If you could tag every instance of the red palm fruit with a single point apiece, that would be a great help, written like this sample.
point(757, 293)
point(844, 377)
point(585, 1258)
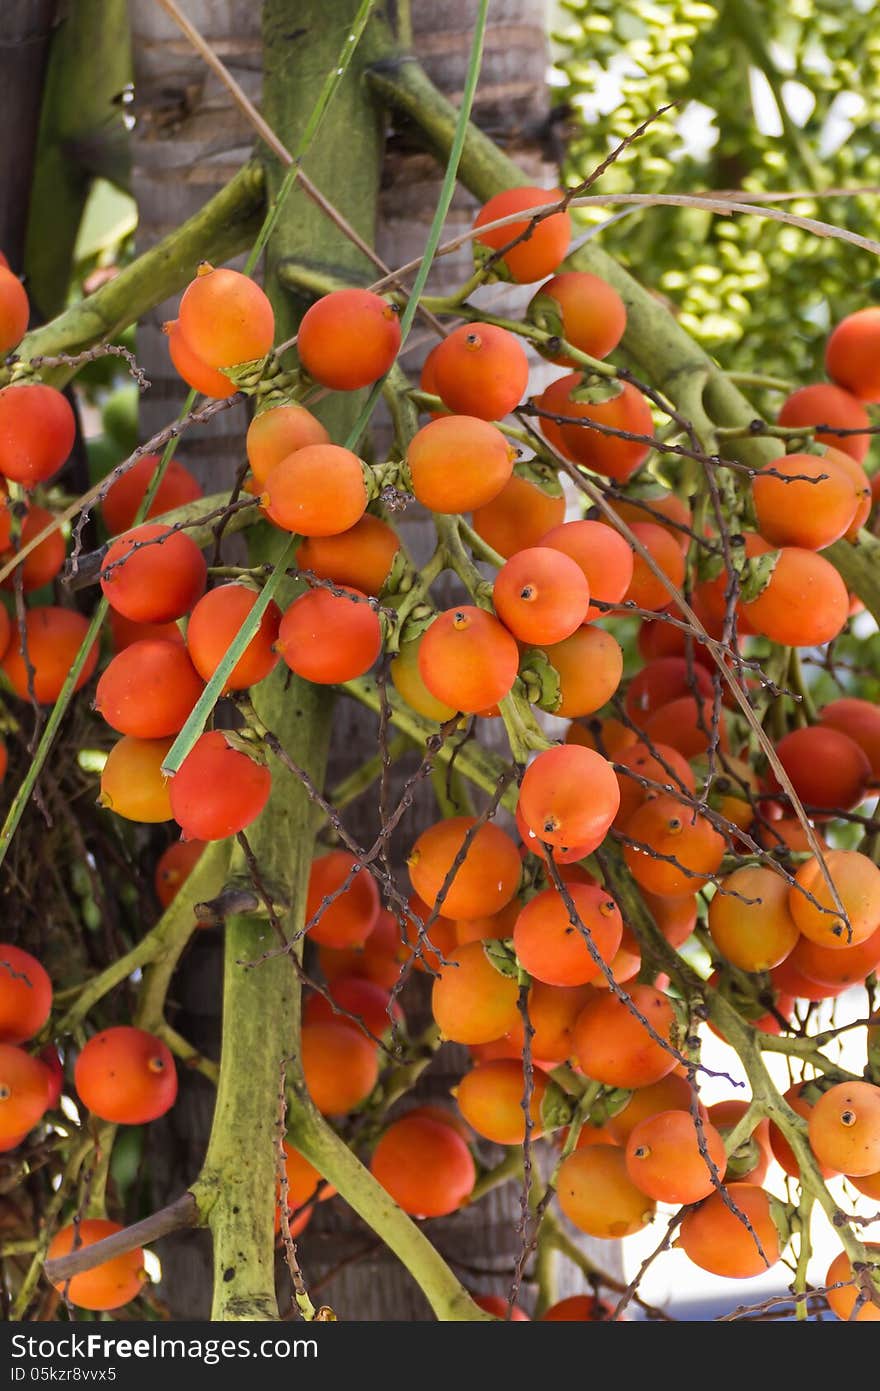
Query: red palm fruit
point(276, 433)
point(122, 500)
point(805, 603)
point(751, 1160)
point(55, 1073)
point(667, 827)
point(361, 557)
point(362, 998)
point(428, 380)
point(467, 659)
point(490, 1097)
point(860, 720)
point(604, 556)
point(376, 960)
point(598, 1196)
point(609, 737)
point(827, 768)
point(24, 1094)
point(54, 637)
point(472, 1000)
point(25, 995)
point(801, 1097)
point(225, 318)
point(659, 639)
point(349, 339)
point(646, 589)
point(584, 310)
point(664, 509)
point(842, 1300)
point(350, 917)
point(5, 631)
point(426, 947)
point(868, 1184)
point(340, 1065)
point(608, 454)
point(844, 1128)
point(562, 854)
point(486, 879)
point(148, 690)
point(174, 867)
point(317, 491)
point(556, 950)
point(552, 1010)
point(686, 724)
point(804, 513)
point(212, 626)
point(579, 1308)
point(190, 368)
point(670, 1093)
point(37, 430)
point(124, 632)
point(42, 564)
point(824, 404)
point(106, 1286)
point(787, 977)
point(458, 462)
point(717, 1240)
point(492, 927)
point(589, 665)
point(326, 637)
point(554, 402)
point(760, 936)
point(132, 782)
point(569, 796)
point(126, 1076)
point(663, 680)
point(852, 354)
point(857, 881)
point(14, 311)
point(497, 1305)
point(665, 1158)
point(613, 1046)
point(407, 680)
point(541, 595)
point(837, 966)
point(152, 574)
point(424, 1165)
point(305, 1187)
point(481, 370)
point(520, 515)
point(638, 761)
point(218, 791)
point(541, 251)
point(862, 485)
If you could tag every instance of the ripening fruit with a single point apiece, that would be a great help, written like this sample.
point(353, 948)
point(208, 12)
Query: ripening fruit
point(490, 1097)
point(458, 463)
point(42, 564)
point(14, 311)
point(5, 631)
point(375, 961)
point(132, 782)
point(608, 454)
point(852, 354)
point(662, 680)
point(613, 1046)
point(148, 690)
point(54, 637)
point(425, 1165)
point(23, 1092)
point(108, 1285)
point(552, 1010)
point(562, 854)
point(827, 768)
point(317, 491)
point(275, 434)
point(685, 724)
point(492, 927)
point(362, 998)
point(214, 623)
point(578, 1308)
point(718, 1241)
point(862, 485)
point(217, 790)
point(837, 966)
point(487, 878)
point(37, 430)
point(361, 557)
point(598, 1196)
point(152, 574)
point(122, 500)
point(671, 1093)
point(541, 595)
point(804, 604)
point(123, 632)
point(799, 512)
point(584, 310)
point(613, 736)
point(860, 720)
point(349, 339)
point(126, 1075)
point(666, 827)
point(340, 1065)
point(467, 659)
point(554, 949)
point(225, 318)
point(326, 637)
point(604, 556)
point(751, 1160)
point(174, 866)
point(408, 683)
point(844, 1128)
point(658, 763)
point(25, 995)
point(824, 404)
point(646, 589)
point(497, 1305)
point(427, 950)
point(857, 881)
point(758, 936)
point(518, 516)
point(190, 368)
point(541, 251)
point(589, 665)
point(481, 370)
point(353, 913)
point(801, 1097)
point(569, 796)
point(665, 1160)
point(842, 1301)
point(305, 1187)
point(472, 1001)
